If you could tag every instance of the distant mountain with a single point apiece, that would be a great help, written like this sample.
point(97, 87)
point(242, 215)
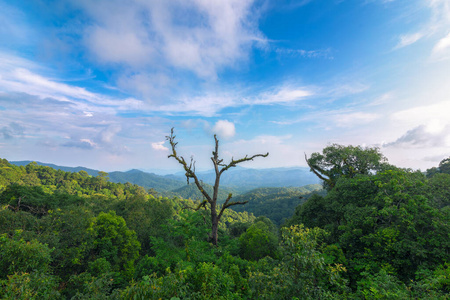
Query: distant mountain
point(91, 172)
point(278, 204)
point(147, 180)
point(244, 179)
point(236, 180)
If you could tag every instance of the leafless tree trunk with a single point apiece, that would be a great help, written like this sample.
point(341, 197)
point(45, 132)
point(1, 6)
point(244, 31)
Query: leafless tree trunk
point(219, 168)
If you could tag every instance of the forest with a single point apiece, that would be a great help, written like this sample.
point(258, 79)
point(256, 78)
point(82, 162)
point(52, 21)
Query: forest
point(375, 231)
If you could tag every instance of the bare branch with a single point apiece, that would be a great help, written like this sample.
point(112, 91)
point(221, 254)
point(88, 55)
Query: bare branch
point(190, 170)
point(234, 163)
point(218, 163)
point(313, 169)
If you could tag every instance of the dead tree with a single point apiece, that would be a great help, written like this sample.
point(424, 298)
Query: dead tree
point(219, 168)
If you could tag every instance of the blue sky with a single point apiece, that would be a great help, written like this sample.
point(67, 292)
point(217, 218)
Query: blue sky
point(100, 83)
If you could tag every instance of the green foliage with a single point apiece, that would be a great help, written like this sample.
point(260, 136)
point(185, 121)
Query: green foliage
point(277, 204)
point(381, 286)
point(145, 215)
point(337, 161)
point(77, 236)
point(258, 241)
point(190, 191)
point(30, 286)
point(147, 180)
point(444, 166)
point(383, 221)
point(18, 255)
point(114, 242)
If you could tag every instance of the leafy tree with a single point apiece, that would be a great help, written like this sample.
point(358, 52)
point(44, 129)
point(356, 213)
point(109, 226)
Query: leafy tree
point(444, 166)
point(115, 242)
point(383, 221)
point(337, 161)
point(258, 241)
point(30, 286)
point(219, 168)
point(18, 255)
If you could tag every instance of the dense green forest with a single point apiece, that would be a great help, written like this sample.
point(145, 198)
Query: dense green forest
point(277, 204)
point(377, 233)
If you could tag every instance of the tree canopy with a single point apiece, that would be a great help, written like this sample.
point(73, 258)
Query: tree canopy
point(337, 161)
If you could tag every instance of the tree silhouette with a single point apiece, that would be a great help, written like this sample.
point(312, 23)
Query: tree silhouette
point(219, 168)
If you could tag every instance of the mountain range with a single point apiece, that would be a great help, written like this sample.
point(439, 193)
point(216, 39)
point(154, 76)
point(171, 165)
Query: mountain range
point(237, 180)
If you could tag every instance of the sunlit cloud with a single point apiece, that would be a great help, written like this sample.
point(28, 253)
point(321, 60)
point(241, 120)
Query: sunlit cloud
point(224, 129)
point(199, 36)
point(159, 146)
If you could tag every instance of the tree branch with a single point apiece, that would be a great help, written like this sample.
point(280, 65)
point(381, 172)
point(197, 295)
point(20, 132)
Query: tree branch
point(313, 169)
point(234, 163)
point(228, 204)
point(190, 170)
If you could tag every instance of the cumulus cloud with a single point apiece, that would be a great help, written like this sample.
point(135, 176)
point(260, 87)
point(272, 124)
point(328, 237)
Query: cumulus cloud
point(159, 146)
point(199, 36)
point(421, 137)
point(224, 129)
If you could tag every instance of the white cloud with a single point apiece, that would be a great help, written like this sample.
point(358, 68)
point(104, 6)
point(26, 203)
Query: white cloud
point(224, 129)
point(200, 36)
point(436, 27)
point(20, 79)
point(118, 46)
point(423, 137)
point(429, 126)
point(442, 48)
point(305, 53)
point(159, 146)
point(409, 39)
point(282, 95)
point(426, 114)
point(107, 134)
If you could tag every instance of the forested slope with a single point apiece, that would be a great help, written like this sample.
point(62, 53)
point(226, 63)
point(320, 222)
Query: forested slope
point(74, 236)
point(277, 204)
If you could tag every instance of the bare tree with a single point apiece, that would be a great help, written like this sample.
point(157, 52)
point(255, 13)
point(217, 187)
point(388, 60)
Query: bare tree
point(219, 168)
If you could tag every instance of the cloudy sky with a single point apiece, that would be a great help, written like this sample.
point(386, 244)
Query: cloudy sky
point(100, 83)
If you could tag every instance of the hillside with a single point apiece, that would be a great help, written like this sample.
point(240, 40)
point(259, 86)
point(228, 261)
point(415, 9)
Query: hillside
point(159, 183)
point(277, 204)
point(91, 172)
point(244, 179)
point(236, 180)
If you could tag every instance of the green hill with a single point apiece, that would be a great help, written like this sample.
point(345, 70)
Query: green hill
point(277, 204)
point(190, 191)
point(147, 180)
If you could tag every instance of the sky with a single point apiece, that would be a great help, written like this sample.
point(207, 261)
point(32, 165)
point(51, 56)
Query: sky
point(101, 83)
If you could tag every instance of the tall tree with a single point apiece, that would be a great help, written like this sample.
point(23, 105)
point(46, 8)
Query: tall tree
point(219, 168)
point(347, 161)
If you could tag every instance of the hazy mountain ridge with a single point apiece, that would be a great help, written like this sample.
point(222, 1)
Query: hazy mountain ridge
point(236, 180)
